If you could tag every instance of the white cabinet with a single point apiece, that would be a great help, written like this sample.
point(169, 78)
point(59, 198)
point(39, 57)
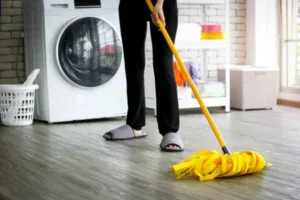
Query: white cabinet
point(252, 87)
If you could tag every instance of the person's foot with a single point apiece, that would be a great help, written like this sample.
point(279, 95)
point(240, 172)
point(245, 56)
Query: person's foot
point(171, 146)
point(172, 142)
point(137, 132)
point(124, 132)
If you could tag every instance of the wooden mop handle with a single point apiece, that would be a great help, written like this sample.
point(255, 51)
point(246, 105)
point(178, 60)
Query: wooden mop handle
point(191, 83)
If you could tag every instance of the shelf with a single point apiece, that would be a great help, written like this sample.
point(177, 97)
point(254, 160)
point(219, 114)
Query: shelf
point(192, 102)
point(188, 37)
point(195, 45)
point(200, 1)
point(201, 44)
point(248, 68)
point(208, 101)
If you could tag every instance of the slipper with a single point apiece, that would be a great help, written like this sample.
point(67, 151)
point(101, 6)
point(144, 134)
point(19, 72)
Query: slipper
point(124, 132)
point(173, 139)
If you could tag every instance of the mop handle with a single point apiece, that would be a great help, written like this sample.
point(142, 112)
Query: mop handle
point(191, 83)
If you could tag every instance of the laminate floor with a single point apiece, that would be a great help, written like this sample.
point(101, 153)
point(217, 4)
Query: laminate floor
point(71, 161)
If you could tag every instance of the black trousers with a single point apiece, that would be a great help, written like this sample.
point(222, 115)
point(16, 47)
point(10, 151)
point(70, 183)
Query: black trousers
point(133, 15)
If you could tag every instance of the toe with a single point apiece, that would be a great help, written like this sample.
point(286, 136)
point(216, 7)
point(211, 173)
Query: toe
point(107, 136)
point(173, 147)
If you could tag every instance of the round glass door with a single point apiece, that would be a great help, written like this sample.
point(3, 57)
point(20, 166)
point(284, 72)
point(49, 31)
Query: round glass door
point(89, 52)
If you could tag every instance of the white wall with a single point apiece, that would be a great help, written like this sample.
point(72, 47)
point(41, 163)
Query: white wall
point(215, 14)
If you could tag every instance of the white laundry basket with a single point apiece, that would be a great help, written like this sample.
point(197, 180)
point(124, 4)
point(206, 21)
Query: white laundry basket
point(17, 104)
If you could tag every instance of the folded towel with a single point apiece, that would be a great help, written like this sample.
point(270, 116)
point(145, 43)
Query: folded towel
point(211, 89)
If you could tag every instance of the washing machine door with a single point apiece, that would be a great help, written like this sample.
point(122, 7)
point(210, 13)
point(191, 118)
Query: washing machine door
point(89, 52)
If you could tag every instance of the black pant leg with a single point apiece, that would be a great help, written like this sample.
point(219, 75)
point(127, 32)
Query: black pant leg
point(133, 33)
point(166, 89)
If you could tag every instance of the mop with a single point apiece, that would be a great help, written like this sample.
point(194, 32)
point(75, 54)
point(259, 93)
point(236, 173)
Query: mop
point(206, 164)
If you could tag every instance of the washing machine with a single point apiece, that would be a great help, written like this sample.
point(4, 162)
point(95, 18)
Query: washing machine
point(76, 44)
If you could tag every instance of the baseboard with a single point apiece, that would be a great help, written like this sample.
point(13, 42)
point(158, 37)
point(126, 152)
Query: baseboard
point(290, 103)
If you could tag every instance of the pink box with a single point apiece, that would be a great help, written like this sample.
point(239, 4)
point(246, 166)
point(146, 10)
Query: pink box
point(210, 28)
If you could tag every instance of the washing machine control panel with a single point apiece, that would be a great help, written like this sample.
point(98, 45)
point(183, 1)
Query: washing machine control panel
point(79, 4)
point(87, 3)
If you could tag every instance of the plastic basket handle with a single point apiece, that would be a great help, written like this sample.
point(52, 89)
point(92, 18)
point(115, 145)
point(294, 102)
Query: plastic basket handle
point(31, 78)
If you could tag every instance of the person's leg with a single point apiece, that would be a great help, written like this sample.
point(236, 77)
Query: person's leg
point(133, 37)
point(133, 34)
point(166, 89)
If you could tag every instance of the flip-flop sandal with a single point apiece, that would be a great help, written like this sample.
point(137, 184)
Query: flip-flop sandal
point(124, 132)
point(172, 139)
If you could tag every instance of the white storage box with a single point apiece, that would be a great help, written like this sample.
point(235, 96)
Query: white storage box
point(251, 88)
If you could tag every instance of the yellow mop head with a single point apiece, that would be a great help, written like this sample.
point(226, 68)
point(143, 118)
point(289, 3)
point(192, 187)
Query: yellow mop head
point(208, 165)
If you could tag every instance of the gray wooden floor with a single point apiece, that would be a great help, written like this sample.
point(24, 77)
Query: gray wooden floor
point(72, 161)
